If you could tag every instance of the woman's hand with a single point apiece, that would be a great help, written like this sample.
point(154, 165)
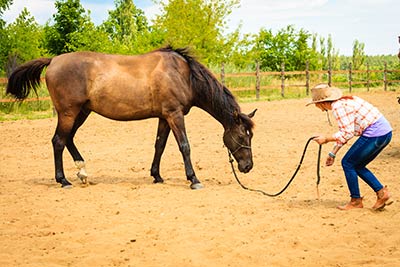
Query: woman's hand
point(321, 139)
point(329, 161)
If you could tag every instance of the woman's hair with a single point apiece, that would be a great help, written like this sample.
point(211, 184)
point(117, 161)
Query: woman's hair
point(347, 97)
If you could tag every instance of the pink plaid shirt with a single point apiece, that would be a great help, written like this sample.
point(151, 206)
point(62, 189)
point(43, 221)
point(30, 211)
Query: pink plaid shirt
point(353, 117)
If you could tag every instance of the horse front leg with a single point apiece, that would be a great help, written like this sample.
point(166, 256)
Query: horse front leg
point(177, 125)
point(161, 140)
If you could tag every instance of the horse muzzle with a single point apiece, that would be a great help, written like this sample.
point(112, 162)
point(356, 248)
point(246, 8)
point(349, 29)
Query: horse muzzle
point(245, 166)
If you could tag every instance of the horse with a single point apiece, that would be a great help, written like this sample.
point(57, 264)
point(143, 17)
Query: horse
point(164, 83)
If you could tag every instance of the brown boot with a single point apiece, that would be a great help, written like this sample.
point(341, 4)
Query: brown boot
point(383, 199)
point(355, 203)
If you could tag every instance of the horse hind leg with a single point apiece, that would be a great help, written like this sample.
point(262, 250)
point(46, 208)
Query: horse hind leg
point(161, 140)
point(69, 121)
point(78, 159)
point(59, 141)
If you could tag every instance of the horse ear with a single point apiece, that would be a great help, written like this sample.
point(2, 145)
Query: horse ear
point(251, 115)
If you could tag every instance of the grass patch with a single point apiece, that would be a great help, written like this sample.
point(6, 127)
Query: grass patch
point(242, 87)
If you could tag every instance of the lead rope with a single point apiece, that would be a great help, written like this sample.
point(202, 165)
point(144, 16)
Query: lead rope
point(291, 179)
point(329, 119)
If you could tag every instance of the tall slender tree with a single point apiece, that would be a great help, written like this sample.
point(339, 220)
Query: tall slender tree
point(358, 57)
point(70, 18)
point(127, 27)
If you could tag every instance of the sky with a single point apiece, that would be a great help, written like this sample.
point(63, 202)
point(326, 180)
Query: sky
point(376, 23)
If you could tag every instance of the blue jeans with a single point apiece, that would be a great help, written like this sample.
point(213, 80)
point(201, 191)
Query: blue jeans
point(354, 163)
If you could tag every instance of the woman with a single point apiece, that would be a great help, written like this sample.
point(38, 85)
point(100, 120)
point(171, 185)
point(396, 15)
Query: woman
point(355, 117)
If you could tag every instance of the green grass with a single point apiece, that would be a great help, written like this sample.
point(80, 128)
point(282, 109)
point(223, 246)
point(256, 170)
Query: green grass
point(31, 110)
point(33, 115)
point(44, 109)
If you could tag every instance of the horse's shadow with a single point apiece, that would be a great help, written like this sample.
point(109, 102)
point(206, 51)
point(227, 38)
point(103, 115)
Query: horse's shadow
point(113, 180)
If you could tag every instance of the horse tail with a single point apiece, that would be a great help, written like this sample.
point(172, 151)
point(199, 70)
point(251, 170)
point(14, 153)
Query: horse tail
point(26, 77)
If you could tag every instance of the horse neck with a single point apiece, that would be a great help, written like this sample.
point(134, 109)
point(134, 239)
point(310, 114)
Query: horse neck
point(221, 113)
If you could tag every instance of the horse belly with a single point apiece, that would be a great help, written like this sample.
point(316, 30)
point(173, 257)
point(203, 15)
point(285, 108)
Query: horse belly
point(128, 104)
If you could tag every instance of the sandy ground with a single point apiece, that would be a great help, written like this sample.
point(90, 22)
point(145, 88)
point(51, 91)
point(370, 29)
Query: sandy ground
point(123, 219)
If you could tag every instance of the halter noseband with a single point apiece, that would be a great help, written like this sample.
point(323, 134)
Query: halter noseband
point(236, 142)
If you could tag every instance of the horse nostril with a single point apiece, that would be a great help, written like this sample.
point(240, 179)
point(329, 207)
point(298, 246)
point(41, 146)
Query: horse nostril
point(248, 167)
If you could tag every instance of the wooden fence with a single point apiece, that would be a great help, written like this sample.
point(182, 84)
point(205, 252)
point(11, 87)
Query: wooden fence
point(284, 77)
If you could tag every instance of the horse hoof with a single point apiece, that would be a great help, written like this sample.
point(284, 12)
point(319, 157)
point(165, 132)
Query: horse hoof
point(65, 184)
point(196, 186)
point(158, 181)
point(83, 177)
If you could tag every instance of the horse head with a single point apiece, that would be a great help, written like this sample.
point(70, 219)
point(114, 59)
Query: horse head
point(237, 139)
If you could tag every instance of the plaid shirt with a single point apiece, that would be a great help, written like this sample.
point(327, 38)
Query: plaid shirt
point(353, 116)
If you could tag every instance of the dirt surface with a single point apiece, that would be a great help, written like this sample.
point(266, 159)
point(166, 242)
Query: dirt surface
point(123, 219)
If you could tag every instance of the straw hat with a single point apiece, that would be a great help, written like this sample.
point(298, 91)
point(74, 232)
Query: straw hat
point(322, 92)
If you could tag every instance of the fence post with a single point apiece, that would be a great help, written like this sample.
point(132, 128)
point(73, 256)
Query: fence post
point(258, 80)
point(368, 85)
point(283, 80)
point(330, 72)
point(307, 78)
point(223, 73)
point(385, 82)
point(350, 76)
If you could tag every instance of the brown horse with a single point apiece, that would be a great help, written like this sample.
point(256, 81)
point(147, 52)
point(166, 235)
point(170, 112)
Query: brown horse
point(164, 84)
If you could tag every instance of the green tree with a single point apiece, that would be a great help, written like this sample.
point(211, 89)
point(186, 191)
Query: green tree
point(323, 53)
point(358, 55)
point(70, 19)
point(89, 38)
point(332, 54)
point(25, 38)
point(288, 46)
point(128, 28)
point(315, 61)
point(327, 55)
point(199, 24)
point(4, 5)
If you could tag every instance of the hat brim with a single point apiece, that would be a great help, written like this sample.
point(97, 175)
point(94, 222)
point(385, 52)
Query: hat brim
point(336, 94)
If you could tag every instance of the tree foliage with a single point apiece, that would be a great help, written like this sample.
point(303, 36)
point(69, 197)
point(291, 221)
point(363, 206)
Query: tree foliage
point(199, 24)
point(127, 27)
point(25, 38)
point(4, 5)
point(288, 47)
point(358, 54)
point(71, 18)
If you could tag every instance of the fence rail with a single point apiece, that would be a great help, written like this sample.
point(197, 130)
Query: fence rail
point(283, 77)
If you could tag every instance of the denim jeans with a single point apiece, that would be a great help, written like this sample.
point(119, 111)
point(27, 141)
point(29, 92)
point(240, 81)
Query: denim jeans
point(354, 163)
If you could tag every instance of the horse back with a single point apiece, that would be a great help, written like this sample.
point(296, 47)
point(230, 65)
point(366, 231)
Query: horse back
point(120, 87)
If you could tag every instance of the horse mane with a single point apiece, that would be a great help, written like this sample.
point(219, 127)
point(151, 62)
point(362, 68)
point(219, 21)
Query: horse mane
point(210, 92)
